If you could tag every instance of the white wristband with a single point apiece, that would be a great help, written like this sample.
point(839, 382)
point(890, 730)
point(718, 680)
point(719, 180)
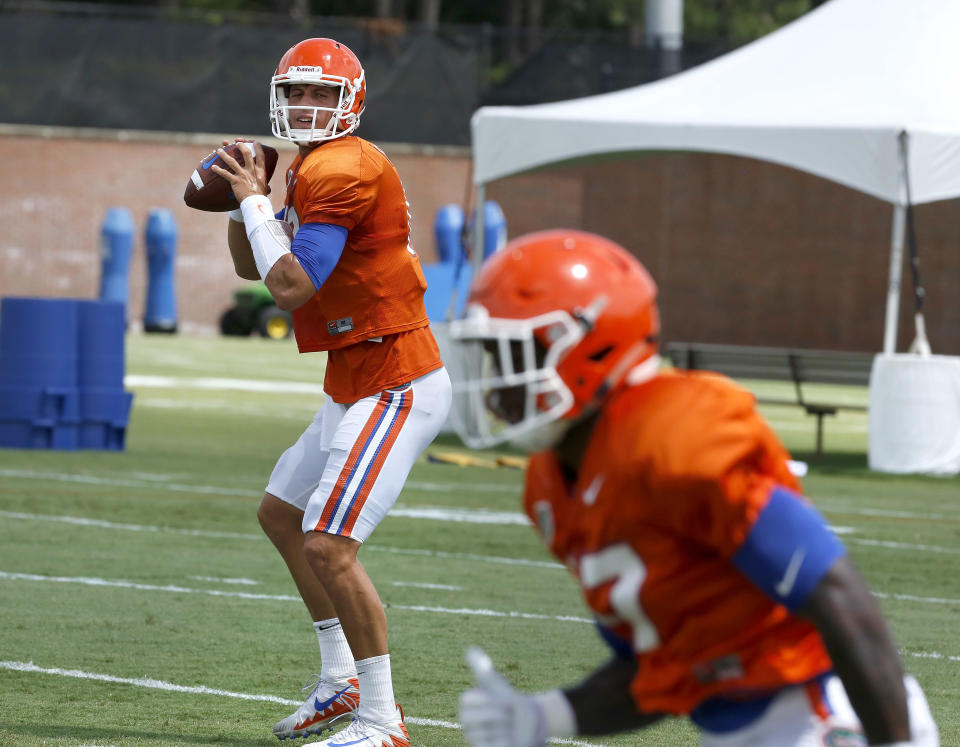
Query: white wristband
point(269, 238)
point(236, 215)
point(558, 714)
point(256, 210)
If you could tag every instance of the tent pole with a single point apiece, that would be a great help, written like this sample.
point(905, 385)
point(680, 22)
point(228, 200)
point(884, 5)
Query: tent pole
point(895, 275)
point(897, 234)
point(476, 251)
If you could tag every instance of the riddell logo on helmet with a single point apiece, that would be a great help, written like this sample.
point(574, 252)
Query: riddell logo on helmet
point(306, 69)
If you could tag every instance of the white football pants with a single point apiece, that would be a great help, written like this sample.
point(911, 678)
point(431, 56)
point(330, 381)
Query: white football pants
point(349, 466)
point(791, 721)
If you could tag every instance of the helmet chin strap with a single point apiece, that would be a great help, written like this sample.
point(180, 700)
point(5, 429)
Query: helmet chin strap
point(643, 371)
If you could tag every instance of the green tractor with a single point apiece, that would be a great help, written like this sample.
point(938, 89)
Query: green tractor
point(255, 309)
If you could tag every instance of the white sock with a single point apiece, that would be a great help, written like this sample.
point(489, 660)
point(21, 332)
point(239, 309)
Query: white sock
point(336, 658)
point(376, 689)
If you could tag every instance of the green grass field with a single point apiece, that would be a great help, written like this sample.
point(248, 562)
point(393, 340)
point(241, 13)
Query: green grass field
point(140, 604)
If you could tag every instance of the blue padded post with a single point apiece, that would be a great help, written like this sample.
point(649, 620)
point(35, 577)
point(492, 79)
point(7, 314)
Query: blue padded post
point(116, 246)
point(447, 230)
point(161, 240)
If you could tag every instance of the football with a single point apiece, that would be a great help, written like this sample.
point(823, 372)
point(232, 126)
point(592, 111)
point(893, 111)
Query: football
point(207, 190)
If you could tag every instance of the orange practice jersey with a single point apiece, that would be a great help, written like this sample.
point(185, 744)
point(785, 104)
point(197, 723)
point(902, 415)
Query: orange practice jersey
point(376, 289)
point(676, 472)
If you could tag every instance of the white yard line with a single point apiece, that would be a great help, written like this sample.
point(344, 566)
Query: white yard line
point(29, 666)
point(162, 482)
point(102, 524)
point(432, 587)
point(288, 413)
point(123, 584)
point(154, 684)
point(432, 513)
point(930, 655)
point(840, 508)
point(460, 515)
point(221, 384)
point(453, 488)
point(467, 556)
point(902, 545)
point(172, 588)
point(912, 598)
point(165, 482)
point(125, 482)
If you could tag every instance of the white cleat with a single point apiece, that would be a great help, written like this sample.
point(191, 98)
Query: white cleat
point(327, 703)
point(364, 733)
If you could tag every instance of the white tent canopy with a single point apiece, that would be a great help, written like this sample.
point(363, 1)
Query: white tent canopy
point(854, 92)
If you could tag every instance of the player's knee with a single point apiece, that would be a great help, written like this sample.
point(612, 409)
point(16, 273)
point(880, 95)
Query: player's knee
point(277, 519)
point(327, 554)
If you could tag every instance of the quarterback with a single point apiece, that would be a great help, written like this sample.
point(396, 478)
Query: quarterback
point(338, 255)
point(720, 590)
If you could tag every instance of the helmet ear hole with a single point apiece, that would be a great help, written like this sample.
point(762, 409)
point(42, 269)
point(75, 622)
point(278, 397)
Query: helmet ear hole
point(600, 354)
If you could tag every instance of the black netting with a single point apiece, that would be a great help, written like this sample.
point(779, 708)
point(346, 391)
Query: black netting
point(132, 70)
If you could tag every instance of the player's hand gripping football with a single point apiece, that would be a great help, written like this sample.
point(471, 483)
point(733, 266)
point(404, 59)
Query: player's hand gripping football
point(250, 178)
point(494, 714)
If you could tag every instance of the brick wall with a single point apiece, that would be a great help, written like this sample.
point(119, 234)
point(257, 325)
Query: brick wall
point(744, 251)
point(747, 252)
point(58, 188)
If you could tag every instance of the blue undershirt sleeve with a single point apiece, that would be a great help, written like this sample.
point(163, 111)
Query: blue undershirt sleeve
point(788, 550)
point(318, 246)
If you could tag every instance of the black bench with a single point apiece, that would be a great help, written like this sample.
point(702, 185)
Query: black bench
point(780, 364)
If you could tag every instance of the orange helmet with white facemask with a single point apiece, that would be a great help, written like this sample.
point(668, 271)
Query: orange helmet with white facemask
point(319, 62)
point(555, 321)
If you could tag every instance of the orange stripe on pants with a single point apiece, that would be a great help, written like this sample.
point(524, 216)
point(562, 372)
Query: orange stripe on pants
point(817, 701)
point(355, 454)
point(382, 453)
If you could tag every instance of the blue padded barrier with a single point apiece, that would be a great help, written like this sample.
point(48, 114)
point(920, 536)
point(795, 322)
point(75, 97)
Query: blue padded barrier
point(441, 278)
point(39, 435)
point(100, 329)
point(61, 374)
point(51, 404)
point(38, 342)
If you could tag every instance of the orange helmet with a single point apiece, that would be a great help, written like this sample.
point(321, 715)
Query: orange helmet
point(555, 320)
point(319, 62)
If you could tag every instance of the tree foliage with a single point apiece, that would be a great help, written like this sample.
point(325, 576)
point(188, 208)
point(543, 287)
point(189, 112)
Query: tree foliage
point(730, 21)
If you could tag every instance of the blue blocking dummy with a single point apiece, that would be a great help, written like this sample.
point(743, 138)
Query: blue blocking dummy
point(494, 228)
point(447, 230)
point(116, 246)
point(161, 240)
point(449, 278)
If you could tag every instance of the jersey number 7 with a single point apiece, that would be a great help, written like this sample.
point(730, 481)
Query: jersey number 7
point(620, 564)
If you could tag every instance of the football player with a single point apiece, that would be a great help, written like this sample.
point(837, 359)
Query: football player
point(355, 287)
point(720, 589)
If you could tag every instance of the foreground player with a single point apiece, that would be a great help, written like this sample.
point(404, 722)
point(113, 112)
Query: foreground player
point(356, 290)
point(722, 592)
